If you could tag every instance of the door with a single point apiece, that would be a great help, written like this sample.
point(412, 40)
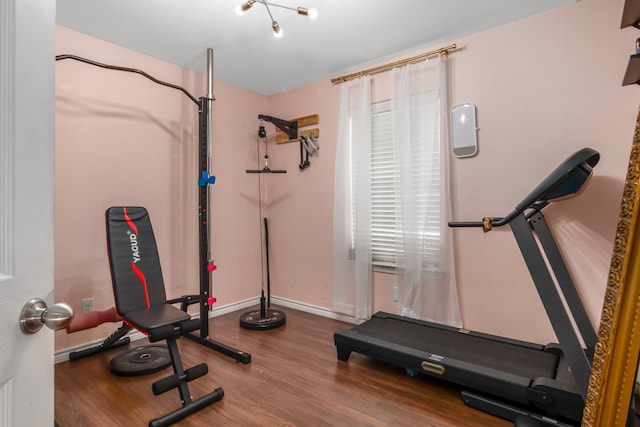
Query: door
point(27, 36)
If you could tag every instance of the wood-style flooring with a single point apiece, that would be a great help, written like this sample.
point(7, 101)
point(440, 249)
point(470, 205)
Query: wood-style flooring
point(294, 379)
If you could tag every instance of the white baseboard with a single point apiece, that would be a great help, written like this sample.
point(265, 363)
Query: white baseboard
point(313, 309)
point(63, 355)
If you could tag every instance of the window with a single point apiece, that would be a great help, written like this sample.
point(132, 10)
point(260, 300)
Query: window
point(387, 219)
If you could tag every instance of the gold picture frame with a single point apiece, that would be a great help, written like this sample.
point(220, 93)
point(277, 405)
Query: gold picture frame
point(613, 374)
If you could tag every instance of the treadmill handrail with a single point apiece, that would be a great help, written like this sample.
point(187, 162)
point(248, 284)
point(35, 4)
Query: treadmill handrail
point(496, 222)
point(581, 161)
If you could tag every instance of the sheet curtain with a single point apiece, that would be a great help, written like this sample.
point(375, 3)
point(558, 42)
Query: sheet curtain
point(352, 271)
point(420, 132)
point(420, 126)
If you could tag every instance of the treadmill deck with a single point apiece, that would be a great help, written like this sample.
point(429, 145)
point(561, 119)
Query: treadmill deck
point(513, 357)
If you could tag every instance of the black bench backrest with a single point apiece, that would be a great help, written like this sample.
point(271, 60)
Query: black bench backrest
point(136, 275)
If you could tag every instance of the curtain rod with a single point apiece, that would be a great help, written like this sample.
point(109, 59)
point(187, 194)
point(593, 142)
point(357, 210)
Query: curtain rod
point(385, 67)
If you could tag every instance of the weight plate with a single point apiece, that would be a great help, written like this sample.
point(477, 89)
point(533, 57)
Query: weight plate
point(271, 319)
point(141, 361)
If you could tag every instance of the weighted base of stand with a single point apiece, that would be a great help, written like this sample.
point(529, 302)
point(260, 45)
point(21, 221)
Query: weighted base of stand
point(263, 319)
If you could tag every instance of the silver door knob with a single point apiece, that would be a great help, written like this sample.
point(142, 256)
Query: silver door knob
point(35, 313)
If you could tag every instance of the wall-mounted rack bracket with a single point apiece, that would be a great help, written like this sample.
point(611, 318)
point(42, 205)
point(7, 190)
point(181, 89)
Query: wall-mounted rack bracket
point(303, 122)
point(286, 126)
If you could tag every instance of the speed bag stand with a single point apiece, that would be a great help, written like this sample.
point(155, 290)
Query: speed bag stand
point(265, 318)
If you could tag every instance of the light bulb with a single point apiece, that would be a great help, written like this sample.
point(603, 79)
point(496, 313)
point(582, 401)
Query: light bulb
point(242, 8)
point(277, 31)
point(311, 13)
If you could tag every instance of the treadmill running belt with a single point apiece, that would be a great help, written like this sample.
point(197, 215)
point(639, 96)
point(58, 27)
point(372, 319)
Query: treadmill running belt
point(500, 355)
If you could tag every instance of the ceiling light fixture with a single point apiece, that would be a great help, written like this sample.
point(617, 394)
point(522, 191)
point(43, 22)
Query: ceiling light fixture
point(275, 26)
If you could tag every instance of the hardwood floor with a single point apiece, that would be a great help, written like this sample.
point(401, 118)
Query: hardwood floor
point(294, 379)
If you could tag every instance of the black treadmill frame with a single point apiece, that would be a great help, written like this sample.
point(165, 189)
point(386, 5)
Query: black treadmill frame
point(553, 283)
point(437, 364)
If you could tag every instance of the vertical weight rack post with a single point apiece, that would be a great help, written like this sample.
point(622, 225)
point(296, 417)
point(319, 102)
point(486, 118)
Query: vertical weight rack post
point(206, 264)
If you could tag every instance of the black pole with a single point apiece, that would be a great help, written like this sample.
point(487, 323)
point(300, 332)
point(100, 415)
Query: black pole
point(264, 318)
point(203, 114)
point(205, 266)
point(266, 253)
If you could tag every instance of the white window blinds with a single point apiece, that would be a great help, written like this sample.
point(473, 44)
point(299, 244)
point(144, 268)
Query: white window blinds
point(386, 215)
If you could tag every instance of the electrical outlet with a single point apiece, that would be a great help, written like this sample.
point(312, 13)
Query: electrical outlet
point(87, 305)
point(396, 293)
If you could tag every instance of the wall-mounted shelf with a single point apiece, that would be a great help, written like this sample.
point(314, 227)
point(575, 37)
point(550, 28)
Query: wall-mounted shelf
point(631, 14)
point(631, 18)
point(632, 75)
point(305, 121)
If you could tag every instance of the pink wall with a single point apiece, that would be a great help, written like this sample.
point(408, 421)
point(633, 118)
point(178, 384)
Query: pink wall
point(121, 139)
point(300, 205)
point(556, 87)
point(544, 87)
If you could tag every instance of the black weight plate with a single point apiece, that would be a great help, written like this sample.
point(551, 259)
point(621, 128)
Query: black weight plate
point(271, 319)
point(140, 361)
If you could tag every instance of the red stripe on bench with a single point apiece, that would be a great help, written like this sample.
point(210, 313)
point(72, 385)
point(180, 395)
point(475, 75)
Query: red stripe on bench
point(129, 221)
point(143, 279)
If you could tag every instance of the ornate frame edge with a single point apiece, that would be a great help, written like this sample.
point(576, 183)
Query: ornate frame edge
point(612, 379)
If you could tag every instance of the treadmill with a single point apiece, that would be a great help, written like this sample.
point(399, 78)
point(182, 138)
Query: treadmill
point(528, 383)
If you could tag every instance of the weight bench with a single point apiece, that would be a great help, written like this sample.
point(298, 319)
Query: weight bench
point(141, 300)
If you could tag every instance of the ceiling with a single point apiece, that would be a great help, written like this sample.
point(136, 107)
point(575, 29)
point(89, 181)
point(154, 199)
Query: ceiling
point(347, 35)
